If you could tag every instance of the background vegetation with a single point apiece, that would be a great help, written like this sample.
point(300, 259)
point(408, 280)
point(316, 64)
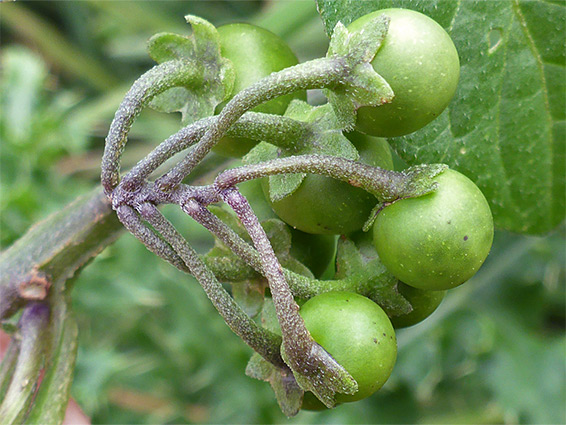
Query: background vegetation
point(152, 348)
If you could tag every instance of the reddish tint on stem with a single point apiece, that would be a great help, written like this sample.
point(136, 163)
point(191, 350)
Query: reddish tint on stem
point(74, 414)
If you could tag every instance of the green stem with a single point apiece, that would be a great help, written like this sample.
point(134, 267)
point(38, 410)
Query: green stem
point(55, 249)
point(280, 131)
point(384, 184)
point(8, 365)
point(313, 367)
point(301, 286)
point(51, 400)
point(264, 342)
point(155, 81)
point(318, 73)
point(20, 392)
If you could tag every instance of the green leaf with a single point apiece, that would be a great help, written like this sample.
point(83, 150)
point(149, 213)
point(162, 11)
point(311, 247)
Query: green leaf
point(215, 80)
point(506, 127)
point(511, 374)
point(359, 261)
point(249, 295)
point(288, 393)
point(325, 138)
point(282, 185)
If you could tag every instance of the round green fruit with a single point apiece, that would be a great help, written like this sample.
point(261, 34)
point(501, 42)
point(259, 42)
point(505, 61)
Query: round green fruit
point(323, 205)
point(424, 303)
point(310, 402)
point(437, 241)
point(419, 61)
point(358, 334)
point(314, 251)
point(255, 53)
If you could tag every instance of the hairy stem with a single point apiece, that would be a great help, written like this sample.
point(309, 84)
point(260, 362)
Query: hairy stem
point(259, 339)
point(314, 369)
point(319, 73)
point(301, 286)
point(8, 364)
point(135, 225)
point(220, 229)
point(292, 325)
point(19, 394)
point(384, 184)
point(55, 249)
point(51, 400)
point(153, 82)
point(280, 131)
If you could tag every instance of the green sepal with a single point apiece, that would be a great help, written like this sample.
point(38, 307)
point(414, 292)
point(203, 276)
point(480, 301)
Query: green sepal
point(419, 180)
point(324, 376)
point(279, 235)
point(269, 317)
point(363, 86)
point(362, 45)
point(344, 107)
point(288, 393)
point(282, 185)
point(261, 152)
point(227, 266)
point(325, 138)
point(212, 79)
point(348, 259)
point(359, 261)
point(249, 294)
point(372, 217)
point(230, 268)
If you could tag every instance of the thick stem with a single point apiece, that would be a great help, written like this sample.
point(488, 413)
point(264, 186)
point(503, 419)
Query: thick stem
point(55, 249)
point(51, 400)
point(19, 395)
point(221, 230)
point(131, 220)
point(314, 369)
point(259, 339)
point(384, 184)
point(301, 286)
point(319, 73)
point(280, 131)
point(293, 328)
point(153, 82)
point(8, 364)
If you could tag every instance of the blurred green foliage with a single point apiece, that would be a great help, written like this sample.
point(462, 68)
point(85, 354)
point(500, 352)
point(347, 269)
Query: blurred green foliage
point(152, 348)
